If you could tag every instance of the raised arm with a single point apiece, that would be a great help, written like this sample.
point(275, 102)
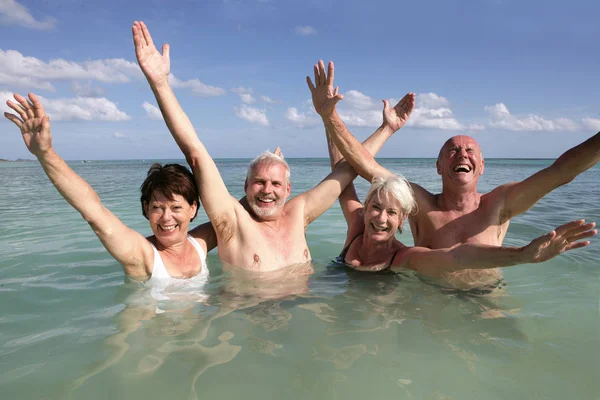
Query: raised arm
point(219, 205)
point(128, 247)
point(392, 122)
point(520, 197)
point(361, 157)
point(478, 256)
point(318, 199)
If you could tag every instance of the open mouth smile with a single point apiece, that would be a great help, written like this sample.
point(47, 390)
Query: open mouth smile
point(462, 168)
point(168, 228)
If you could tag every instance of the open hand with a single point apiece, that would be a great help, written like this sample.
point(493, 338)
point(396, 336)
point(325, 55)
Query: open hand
point(33, 123)
point(324, 96)
point(155, 66)
point(396, 117)
point(564, 238)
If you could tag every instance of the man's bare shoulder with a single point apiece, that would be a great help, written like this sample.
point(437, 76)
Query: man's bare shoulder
point(498, 194)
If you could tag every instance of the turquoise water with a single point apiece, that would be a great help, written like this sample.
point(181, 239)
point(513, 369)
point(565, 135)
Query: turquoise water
point(71, 327)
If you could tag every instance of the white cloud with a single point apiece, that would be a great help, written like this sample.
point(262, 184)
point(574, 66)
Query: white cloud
point(152, 111)
point(19, 70)
point(83, 108)
point(77, 108)
point(431, 111)
point(13, 13)
point(269, 100)
point(305, 30)
point(301, 119)
point(245, 94)
point(592, 123)
point(119, 135)
point(372, 118)
point(357, 100)
point(431, 100)
point(247, 98)
point(252, 115)
point(196, 86)
point(501, 118)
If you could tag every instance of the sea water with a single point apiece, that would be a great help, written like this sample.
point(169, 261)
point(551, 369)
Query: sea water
point(72, 327)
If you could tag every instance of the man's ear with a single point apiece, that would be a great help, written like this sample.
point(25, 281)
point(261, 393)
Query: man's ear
point(482, 167)
point(246, 184)
point(438, 166)
point(289, 189)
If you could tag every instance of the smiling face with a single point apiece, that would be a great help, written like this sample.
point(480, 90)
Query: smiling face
point(383, 216)
point(460, 161)
point(169, 219)
point(267, 189)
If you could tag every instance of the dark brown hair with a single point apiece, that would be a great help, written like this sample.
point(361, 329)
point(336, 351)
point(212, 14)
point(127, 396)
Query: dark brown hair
point(169, 180)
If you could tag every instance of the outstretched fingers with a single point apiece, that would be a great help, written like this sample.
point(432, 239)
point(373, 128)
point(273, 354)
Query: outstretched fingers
point(25, 104)
point(16, 120)
point(330, 73)
point(138, 36)
point(146, 34)
point(310, 84)
point(18, 109)
point(322, 76)
point(38, 108)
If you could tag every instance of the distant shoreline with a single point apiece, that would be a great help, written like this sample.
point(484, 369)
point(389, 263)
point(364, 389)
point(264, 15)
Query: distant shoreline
point(19, 160)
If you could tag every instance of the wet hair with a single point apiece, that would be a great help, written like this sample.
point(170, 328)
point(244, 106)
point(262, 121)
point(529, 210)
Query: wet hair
point(398, 188)
point(268, 158)
point(169, 179)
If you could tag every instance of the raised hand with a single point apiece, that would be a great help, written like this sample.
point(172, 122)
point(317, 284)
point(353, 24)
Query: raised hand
point(396, 117)
point(33, 123)
point(278, 152)
point(564, 238)
point(154, 65)
point(324, 96)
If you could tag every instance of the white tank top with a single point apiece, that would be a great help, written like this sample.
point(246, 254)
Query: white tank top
point(165, 287)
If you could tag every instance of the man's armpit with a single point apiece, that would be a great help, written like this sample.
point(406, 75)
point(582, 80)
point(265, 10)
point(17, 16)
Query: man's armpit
point(224, 228)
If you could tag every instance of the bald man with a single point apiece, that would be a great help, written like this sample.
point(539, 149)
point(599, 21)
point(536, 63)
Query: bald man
point(460, 214)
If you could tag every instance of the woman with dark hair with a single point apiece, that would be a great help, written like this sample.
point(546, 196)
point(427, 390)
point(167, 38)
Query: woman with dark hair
point(169, 201)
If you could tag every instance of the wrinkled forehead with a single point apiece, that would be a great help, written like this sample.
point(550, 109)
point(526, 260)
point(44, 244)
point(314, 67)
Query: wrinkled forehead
point(460, 141)
point(269, 169)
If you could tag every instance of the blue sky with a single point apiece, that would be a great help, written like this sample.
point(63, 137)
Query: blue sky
point(517, 75)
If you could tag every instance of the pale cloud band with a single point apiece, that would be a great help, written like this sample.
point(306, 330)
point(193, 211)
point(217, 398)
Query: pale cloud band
point(301, 120)
point(78, 108)
point(252, 115)
point(501, 118)
point(13, 13)
point(18, 70)
point(152, 111)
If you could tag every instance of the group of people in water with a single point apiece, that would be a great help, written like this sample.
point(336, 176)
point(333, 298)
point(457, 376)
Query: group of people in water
point(458, 233)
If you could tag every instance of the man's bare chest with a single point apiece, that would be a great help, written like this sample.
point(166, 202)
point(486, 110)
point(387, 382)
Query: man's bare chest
point(265, 248)
point(442, 229)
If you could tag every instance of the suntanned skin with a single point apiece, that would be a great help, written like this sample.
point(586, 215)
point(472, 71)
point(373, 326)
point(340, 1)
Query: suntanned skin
point(249, 239)
point(372, 245)
point(128, 247)
point(460, 214)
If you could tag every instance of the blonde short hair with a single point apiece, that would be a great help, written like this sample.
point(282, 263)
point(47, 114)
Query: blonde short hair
point(398, 188)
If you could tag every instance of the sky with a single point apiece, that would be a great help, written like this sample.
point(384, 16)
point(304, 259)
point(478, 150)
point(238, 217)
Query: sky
point(518, 76)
